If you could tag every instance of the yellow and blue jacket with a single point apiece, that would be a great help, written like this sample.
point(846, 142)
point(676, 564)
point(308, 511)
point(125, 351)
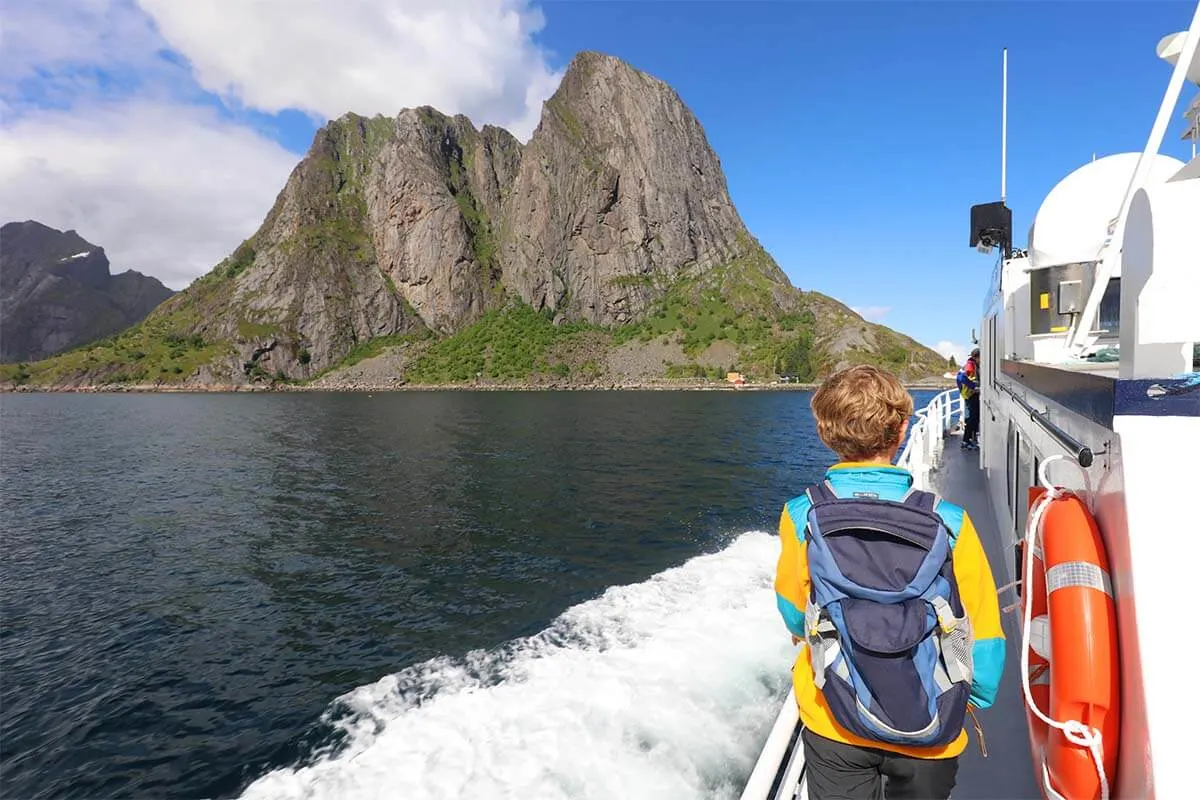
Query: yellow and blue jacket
point(976, 588)
point(967, 386)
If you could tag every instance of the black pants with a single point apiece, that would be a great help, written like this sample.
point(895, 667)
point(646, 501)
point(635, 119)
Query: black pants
point(971, 430)
point(837, 771)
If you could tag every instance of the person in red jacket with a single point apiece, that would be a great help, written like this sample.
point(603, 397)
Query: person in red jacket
point(968, 387)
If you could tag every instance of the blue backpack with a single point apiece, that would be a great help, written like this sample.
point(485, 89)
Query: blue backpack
point(889, 640)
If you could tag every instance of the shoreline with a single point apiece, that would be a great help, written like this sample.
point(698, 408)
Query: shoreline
point(361, 388)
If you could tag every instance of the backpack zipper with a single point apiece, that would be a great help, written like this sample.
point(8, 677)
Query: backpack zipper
point(928, 729)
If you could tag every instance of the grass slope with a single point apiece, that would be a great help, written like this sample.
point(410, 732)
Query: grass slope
point(159, 351)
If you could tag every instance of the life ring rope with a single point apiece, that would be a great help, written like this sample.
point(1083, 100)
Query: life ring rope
point(1014, 586)
point(1075, 731)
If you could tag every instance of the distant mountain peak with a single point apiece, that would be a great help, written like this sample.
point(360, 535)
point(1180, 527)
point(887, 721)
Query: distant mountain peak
point(57, 292)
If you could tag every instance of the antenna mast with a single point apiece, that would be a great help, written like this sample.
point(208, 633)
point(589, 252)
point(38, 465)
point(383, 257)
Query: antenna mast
point(1004, 132)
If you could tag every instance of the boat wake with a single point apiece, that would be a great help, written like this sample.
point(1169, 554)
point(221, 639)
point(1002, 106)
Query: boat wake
point(665, 688)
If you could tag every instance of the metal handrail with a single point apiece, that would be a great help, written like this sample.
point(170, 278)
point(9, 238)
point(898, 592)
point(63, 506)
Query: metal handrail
point(923, 450)
point(1082, 453)
point(769, 777)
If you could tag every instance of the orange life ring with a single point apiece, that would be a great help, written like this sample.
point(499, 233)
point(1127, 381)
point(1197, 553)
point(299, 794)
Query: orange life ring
point(1076, 675)
point(1039, 649)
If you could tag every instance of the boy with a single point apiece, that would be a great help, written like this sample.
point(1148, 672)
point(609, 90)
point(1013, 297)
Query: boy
point(862, 414)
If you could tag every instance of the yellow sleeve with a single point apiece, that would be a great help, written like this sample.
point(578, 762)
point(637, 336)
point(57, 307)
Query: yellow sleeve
point(791, 576)
point(977, 589)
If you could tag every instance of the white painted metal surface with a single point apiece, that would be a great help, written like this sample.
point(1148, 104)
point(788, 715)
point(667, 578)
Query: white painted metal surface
point(774, 751)
point(923, 451)
point(1072, 225)
point(1160, 288)
point(1186, 55)
point(1159, 458)
point(780, 753)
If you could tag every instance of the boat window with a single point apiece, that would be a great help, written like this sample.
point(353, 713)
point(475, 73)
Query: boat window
point(1010, 467)
point(988, 348)
point(1110, 307)
point(992, 350)
point(985, 348)
point(1024, 462)
point(1011, 498)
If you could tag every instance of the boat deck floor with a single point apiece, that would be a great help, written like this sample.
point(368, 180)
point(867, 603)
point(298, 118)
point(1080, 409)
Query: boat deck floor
point(1007, 772)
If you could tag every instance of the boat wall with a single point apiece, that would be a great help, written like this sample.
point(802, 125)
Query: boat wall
point(1012, 449)
point(1013, 446)
point(1135, 775)
point(1160, 569)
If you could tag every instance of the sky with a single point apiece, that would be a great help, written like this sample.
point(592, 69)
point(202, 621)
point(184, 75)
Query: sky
point(854, 135)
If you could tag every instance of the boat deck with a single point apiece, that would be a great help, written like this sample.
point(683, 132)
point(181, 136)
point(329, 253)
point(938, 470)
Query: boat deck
point(1006, 774)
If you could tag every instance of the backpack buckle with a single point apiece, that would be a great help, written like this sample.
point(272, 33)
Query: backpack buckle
point(945, 617)
point(818, 625)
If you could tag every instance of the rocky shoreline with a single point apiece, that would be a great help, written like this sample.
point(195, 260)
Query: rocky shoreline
point(400, 386)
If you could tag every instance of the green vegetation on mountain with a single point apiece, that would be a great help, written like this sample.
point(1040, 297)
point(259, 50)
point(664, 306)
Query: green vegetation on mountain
point(507, 344)
point(153, 352)
point(421, 250)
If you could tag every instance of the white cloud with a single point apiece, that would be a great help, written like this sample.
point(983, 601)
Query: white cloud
point(41, 37)
point(106, 129)
point(871, 313)
point(327, 57)
point(948, 348)
point(167, 190)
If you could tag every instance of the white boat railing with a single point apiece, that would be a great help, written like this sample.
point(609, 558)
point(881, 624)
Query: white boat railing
point(923, 451)
point(771, 761)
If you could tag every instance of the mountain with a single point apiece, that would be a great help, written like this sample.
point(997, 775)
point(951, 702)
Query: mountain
point(421, 249)
point(56, 292)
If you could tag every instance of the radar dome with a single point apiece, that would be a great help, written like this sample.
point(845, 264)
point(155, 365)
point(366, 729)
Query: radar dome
point(1072, 223)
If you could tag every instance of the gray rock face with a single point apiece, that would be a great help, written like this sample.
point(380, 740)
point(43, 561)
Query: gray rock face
point(618, 193)
point(387, 226)
point(435, 199)
point(306, 288)
point(616, 208)
point(56, 293)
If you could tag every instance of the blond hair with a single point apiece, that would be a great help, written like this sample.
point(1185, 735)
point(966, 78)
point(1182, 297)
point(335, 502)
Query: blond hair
point(861, 412)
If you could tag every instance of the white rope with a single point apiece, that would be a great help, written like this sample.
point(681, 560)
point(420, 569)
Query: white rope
point(1013, 606)
point(1009, 586)
point(1075, 731)
point(1016, 604)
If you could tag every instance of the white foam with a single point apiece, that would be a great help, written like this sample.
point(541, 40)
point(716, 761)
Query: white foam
point(665, 688)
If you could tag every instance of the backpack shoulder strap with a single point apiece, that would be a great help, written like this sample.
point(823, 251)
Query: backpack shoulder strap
point(928, 502)
point(924, 501)
point(821, 493)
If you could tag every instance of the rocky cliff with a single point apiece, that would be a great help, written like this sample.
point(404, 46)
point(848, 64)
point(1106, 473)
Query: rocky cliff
point(56, 292)
point(610, 235)
point(618, 194)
